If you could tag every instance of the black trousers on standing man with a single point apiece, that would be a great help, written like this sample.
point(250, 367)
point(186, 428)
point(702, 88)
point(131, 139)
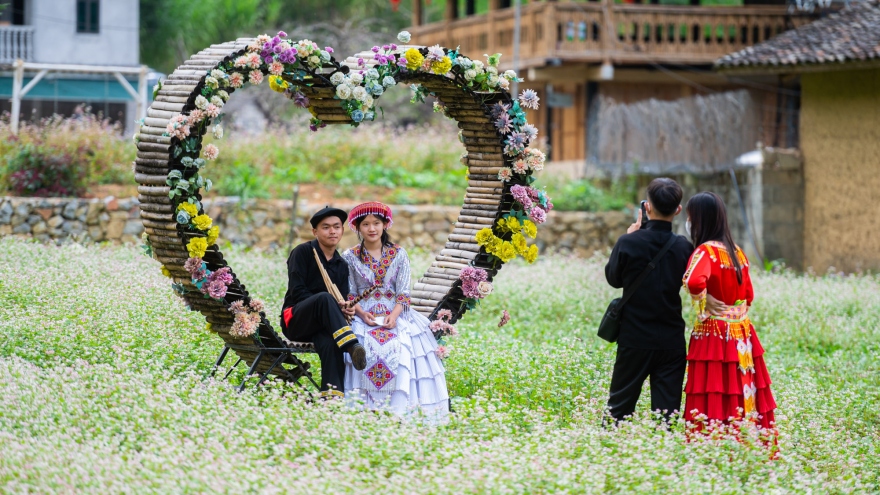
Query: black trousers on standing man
point(664, 367)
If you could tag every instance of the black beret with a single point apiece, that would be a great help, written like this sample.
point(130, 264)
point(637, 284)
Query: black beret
point(325, 212)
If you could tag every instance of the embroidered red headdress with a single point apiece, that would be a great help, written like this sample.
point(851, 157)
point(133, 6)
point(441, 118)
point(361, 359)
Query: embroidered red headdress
point(370, 208)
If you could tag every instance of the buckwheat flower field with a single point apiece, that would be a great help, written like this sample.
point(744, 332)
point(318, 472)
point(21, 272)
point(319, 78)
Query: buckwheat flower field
point(102, 390)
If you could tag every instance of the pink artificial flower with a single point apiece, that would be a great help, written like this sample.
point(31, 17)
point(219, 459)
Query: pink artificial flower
point(212, 110)
point(257, 305)
point(254, 60)
point(505, 317)
point(224, 275)
point(237, 307)
point(444, 314)
point(471, 290)
point(211, 152)
point(255, 77)
point(192, 265)
point(241, 61)
point(505, 174)
point(328, 49)
point(215, 289)
point(196, 116)
point(520, 167)
point(473, 274)
point(442, 352)
point(263, 39)
point(276, 68)
point(178, 127)
point(236, 80)
point(538, 215)
point(521, 195)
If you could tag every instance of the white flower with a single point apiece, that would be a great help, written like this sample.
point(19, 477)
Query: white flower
point(314, 60)
point(343, 91)
point(218, 75)
point(359, 93)
point(218, 131)
point(201, 102)
point(337, 78)
point(368, 101)
point(372, 74)
point(509, 74)
point(504, 83)
point(470, 74)
point(485, 288)
point(211, 82)
point(404, 36)
point(216, 100)
point(357, 78)
point(493, 80)
point(492, 70)
point(223, 94)
point(388, 81)
point(478, 65)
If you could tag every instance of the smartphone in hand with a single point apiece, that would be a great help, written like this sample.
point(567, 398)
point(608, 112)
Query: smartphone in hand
point(644, 214)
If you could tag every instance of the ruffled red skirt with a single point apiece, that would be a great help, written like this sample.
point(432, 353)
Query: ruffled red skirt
point(715, 382)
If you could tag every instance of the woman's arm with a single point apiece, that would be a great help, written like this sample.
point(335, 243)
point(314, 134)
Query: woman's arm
point(696, 280)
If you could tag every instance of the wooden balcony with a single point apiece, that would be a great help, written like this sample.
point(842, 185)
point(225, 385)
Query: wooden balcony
point(16, 42)
point(592, 32)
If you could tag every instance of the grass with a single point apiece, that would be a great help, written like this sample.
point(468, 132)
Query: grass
point(101, 390)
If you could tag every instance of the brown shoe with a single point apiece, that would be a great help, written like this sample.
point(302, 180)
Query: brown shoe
point(358, 356)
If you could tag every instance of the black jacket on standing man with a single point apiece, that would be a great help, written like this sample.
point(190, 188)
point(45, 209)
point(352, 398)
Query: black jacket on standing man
point(651, 341)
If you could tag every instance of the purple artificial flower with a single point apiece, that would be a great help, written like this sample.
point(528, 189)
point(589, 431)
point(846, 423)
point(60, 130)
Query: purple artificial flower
point(515, 143)
point(375, 49)
point(300, 100)
point(503, 124)
point(223, 275)
point(538, 215)
point(313, 128)
point(381, 59)
point(499, 109)
point(216, 289)
point(268, 59)
point(386, 47)
point(401, 61)
point(470, 289)
point(530, 131)
point(328, 49)
point(282, 34)
point(192, 264)
point(473, 274)
point(521, 195)
point(198, 275)
point(277, 49)
point(529, 99)
point(393, 46)
point(360, 62)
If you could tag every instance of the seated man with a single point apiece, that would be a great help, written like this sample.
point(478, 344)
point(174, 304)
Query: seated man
point(310, 313)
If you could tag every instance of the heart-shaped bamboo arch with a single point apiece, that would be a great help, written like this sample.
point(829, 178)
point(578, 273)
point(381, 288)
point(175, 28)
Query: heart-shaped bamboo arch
point(159, 164)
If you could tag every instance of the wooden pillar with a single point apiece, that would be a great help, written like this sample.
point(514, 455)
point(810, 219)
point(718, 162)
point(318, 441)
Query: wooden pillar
point(451, 10)
point(416, 12)
point(17, 80)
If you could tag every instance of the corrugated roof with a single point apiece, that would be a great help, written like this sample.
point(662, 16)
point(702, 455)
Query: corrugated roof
point(850, 35)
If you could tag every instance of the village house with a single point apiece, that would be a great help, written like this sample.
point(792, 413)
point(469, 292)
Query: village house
point(835, 62)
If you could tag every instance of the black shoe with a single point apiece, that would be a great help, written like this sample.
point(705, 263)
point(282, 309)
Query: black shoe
point(358, 356)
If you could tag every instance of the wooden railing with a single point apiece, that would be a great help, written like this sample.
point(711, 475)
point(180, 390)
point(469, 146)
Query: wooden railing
point(16, 42)
point(622, 34)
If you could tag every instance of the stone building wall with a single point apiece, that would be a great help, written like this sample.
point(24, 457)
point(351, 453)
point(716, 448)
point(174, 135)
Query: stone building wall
point(266, 224)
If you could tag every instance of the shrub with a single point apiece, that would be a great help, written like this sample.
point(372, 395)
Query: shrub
point(34, 171)
point(591, 195)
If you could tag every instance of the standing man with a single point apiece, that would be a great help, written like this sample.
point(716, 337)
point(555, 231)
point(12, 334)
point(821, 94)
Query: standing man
point(651, 341)
point(310, 313)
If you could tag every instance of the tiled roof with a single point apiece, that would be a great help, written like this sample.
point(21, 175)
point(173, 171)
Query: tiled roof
point(852, 34)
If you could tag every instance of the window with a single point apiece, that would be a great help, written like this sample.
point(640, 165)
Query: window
point(87, 18)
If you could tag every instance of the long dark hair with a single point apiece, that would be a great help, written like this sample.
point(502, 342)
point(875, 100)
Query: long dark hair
point(709, 223)
point(386, 239)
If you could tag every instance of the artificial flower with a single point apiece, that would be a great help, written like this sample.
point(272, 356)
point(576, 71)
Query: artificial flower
point(217, 131)
point(506, 252)
point(530, 228)
point(441, 66)
point(404, 36)
point(519, 243)
point(197, 247)
point(217, 101)
point(211, 152)
point(337, 78)
point(236, 80)
point(532, 254)
point(212, 110)
point(505, 317)
point(414, 59)
point(484, 236)
point(529, 99)
point(213, 234)
point(277, 84)
point(201, 102)
point(485, 288)
point(211, 82)
point(538, 215)
point(505, 174)
point(202, 222)
point(166, 272)
point(343, 92)
point(190, 208)
point(255, 77)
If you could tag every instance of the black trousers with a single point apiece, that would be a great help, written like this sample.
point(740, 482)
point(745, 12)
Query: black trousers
point(318, 319)
point(632, 366)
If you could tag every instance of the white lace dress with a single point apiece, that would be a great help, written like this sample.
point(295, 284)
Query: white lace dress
point(403, 373)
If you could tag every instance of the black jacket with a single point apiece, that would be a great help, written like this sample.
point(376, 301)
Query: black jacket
point(651, 319)
point(305, 280)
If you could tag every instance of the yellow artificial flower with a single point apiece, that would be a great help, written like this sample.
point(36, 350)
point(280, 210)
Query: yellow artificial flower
point(189, 208)
point(530, 228)
point(506, 251)
point(202, 222)
point(531, 254)
point(484, 236)
point(493, 245)
point(166, 272)
point(509, 224)
point(278, 84)
point(197, 247)
point(441, 66)
point(519, 242)
point(414, 59)
point(213, 234)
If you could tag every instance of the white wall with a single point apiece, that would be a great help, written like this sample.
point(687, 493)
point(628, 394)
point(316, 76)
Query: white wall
point(56, 39)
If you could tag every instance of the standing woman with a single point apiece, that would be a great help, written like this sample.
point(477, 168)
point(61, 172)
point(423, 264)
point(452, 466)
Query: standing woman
point(403, 372)
point(727, 378)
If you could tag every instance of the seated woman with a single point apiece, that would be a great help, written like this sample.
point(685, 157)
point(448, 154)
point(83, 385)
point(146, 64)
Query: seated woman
point(727, 379)
point(403, 373)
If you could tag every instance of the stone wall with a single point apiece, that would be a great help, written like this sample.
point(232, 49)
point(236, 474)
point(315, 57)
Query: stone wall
point(266, 224)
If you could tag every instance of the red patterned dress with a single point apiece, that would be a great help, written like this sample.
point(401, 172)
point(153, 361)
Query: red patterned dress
point(727, 379)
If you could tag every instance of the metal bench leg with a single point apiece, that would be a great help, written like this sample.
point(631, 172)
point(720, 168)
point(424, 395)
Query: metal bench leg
point(232, 369)
point(250, 371)
point(219, 361)
point(274, 364)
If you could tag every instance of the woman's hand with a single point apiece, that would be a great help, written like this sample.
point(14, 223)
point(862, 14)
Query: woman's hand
point(714, 306)
point(390, 321)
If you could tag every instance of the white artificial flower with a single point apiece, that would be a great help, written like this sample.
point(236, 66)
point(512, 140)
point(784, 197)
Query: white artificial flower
point(218, 74)
point(372, 74)
point(493, 80)
point(357, 78)
point(368, 101)
point(223, 94)
point(359, 93)
point(388, 81)
point(478, 65)
point(314, 60)
point(504, 83)
point(211, 82)
point(343, 91)
point(218, 131)
point(337, 78)
point(404, 37)
point(201, 102)
point(470, 74)
point(492, 70)
point(509, 74)
point(216, 100)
